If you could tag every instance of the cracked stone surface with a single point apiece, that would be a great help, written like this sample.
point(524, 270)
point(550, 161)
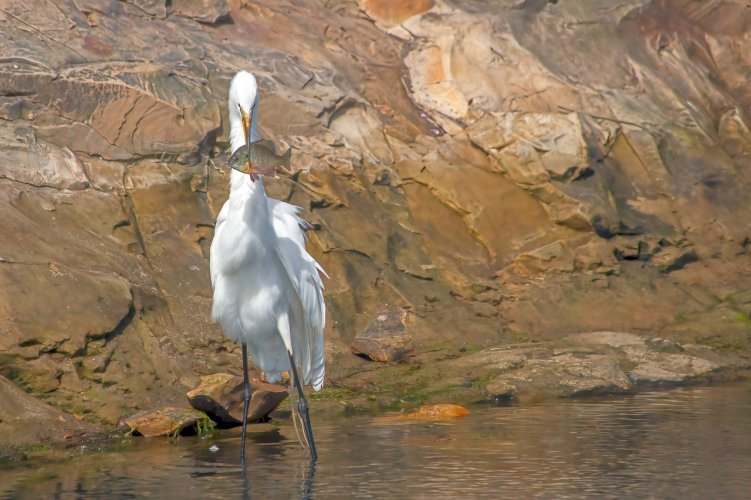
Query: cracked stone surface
point(506, 172)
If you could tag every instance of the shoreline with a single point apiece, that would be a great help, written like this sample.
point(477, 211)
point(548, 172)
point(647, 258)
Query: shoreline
point(581, 366)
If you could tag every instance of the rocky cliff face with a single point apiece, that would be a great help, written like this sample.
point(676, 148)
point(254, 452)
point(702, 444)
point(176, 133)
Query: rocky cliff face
point(503, 171)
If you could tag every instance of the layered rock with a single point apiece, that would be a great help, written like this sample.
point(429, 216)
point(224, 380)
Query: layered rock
point(502, 172)
point(586, 364)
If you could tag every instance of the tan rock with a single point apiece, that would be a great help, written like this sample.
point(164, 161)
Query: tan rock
point(154, 7)
point(554, 257)
point(26, 420)
point(203, 11)
point(82, 138)
point(385, 339)
point(362, 129)
point(51, 166)
point(99, 305)
point(389, 13)
point(114, 100)
point(674, 258)
point(105, 175)
point(221, 395)
point(168, 422)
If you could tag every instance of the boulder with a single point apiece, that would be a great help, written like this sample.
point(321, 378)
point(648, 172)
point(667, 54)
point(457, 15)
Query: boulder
point(220, 396)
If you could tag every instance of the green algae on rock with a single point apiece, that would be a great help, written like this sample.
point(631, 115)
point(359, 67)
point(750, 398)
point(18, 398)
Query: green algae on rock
point(471, 164)
point(170, 422)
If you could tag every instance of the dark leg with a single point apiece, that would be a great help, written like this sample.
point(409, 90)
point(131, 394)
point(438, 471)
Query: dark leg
point(246, 401)
point(302, 409)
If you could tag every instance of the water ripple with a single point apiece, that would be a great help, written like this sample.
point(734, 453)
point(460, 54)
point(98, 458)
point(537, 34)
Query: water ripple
point(688, 443)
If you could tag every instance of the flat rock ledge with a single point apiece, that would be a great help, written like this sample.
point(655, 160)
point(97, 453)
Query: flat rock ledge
point(594, 363)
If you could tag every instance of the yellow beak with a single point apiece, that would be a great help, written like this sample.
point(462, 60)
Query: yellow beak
point(246, 123)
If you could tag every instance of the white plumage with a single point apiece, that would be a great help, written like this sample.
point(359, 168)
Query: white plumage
point(267, 288)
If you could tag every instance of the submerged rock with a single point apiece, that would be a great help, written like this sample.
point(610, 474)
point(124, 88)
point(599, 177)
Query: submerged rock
point(220, 396)
point(438, 411)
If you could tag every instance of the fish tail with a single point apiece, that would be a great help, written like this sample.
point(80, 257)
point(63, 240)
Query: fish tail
point(285, 158)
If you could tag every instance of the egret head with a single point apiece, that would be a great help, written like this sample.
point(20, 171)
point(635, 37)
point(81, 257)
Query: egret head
point(243, 100)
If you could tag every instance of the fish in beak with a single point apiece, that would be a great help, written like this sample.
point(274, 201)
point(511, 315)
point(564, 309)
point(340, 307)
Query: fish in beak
point(259, 158)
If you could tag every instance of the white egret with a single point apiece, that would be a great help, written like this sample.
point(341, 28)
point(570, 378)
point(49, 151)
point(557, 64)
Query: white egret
point(268, 294)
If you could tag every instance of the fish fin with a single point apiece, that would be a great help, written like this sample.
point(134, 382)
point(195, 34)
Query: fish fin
point(266, 143)
point(267, 171)
point(285, 158)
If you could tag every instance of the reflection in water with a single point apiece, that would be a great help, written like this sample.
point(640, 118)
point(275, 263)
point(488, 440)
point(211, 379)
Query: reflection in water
point(691, 443)
point(309, 481)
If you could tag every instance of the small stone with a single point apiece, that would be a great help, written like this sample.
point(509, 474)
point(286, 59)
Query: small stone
point(166, 422)
point(664, 345)
point(501, 390)
point(213, 448)
point(93, 19)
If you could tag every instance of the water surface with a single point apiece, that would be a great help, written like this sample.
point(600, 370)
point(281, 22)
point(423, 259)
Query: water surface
point(683, 443)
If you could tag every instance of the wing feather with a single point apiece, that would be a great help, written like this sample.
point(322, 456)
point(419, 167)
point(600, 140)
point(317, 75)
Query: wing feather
point(303, 272)
point(214, 261)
